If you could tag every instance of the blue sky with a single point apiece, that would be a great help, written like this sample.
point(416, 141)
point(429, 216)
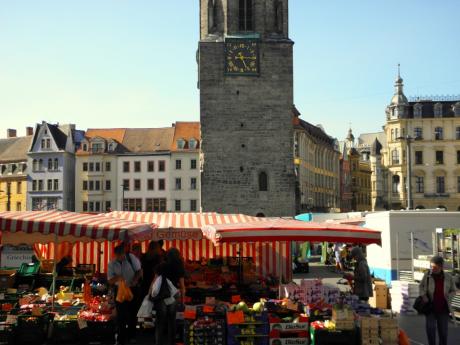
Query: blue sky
point(119, 63)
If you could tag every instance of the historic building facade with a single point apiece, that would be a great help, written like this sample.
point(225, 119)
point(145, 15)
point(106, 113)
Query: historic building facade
point(184, 177)
point(51, 162)
point(246, 96)
point(13, 170)
point(317, 161)
point(427, 128)
point(96, 183)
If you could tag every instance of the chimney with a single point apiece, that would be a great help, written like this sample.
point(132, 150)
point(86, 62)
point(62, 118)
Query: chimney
point(11, 133)
point(29, 131)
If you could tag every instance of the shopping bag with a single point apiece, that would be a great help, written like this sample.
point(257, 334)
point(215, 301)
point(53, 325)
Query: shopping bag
point(124, 293)
point(155, 287)
point(145, 311)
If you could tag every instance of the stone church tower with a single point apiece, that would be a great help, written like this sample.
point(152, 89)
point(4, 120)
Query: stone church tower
point(246, 97)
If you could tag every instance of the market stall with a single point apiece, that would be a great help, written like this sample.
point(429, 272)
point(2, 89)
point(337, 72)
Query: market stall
point(30, 315)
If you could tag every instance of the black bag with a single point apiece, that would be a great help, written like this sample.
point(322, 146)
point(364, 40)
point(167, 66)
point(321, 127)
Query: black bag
point(164, 291)
point(422, 306)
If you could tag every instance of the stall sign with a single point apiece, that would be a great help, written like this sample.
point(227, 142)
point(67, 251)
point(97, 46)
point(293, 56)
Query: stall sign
point(179, 234)
point(299, 326)
point(14, 257)
point(289, 341)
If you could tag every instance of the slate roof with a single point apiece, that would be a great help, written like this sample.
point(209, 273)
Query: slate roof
point(317, 132)
point(14, 149)
point(367, 139)
point(59, 137)
point(428, 108)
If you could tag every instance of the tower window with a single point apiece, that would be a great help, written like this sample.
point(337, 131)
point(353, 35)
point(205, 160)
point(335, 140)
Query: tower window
point(246, 17)
point(263, 182)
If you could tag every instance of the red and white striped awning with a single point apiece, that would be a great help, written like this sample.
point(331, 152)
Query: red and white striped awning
point(279, 229)
point(42, 226)
point(182, 226)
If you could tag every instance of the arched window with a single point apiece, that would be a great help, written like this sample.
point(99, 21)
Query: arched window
point(442, 207)
point(418, 111)
point(395, 183)
point(246, 15)
point(263, 182)
point(180, 144)
point(212, 13)
point(279, 20)
point(50, 164)
point(40, 164)
point(260, 215)
point(192, 144)
point(56, 164)
point(35, 165)
point(420, 207)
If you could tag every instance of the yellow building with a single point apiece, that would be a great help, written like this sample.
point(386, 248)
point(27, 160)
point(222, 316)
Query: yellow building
point(317, 162)
point(360, 182)
point(430, 127)
point(13, 171)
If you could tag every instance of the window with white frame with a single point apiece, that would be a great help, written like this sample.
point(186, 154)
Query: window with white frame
point(418, 108)
point(418, 132)
point(438, 110)
point(419, 184)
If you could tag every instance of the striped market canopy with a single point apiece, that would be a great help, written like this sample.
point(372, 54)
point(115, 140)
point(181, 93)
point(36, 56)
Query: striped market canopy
point(182, 226)
point(280, 229)
point(42, 226)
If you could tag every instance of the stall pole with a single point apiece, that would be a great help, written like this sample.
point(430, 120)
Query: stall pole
point(397, 256)
point(412, 253)
point(53, 284)
point(99, 250)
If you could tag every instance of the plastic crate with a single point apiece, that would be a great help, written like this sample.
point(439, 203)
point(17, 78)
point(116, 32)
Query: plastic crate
point(64, 332)
point(31, 330)
point(321, 336)
point(29, 269)
point(99, 332)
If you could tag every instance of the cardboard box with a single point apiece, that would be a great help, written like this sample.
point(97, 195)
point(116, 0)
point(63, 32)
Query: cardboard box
point(289, 341)
point(380, 300)
point(388, 323)
point(345, 325)
point(369, 322)
point(342, 314)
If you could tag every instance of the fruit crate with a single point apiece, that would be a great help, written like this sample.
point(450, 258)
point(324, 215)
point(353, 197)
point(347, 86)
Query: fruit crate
point(29, 269)
point(322, 336)
point(212, 333)
point(31, 330)
point(64, 332)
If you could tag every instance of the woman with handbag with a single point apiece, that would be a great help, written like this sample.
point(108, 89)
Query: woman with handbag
point(172, 270)
point(437, 290)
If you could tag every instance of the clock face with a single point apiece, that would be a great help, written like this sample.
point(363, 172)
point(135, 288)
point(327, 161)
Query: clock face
point(242, 58)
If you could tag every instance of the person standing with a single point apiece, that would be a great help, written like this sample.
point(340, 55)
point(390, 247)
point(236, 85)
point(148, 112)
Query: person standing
point(438, 287)
point(362, 276)
point(149, 262)
point(165, 322)
point(128, 268)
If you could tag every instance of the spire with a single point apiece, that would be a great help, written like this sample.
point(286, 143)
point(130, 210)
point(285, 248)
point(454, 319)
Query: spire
point(399, 98)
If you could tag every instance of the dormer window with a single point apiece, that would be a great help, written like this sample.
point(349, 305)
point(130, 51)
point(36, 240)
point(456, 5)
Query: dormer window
point(2, 169)
point(457, 109)
point(438, 110)
point(13, 168)
point(85, 147)
point(180, 144)
point(97, 147)
point(111, 147)
point(418, 111)
point(192, 144)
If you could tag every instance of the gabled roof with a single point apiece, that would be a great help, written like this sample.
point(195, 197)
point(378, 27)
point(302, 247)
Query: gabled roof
point(367, 139)
point(14, 149)
point(145, 140)
point(59, 137)
point(186, 131)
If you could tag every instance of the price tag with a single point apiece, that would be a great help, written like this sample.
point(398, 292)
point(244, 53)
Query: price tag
point(236, 299)
point(190, 313)
point(11, 319)
point(210, 301)
point(234, 318)
point(208, 309)
point(82, 323)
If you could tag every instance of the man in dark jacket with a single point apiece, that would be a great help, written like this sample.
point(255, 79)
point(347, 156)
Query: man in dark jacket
point(362, 276)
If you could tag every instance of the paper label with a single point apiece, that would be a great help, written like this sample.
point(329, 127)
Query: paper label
point(82, 323)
